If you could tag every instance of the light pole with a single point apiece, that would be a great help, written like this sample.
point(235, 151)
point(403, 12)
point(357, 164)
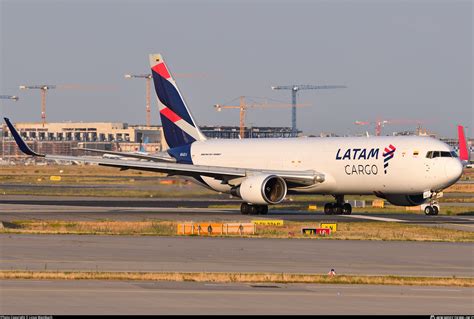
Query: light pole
point(6, 97)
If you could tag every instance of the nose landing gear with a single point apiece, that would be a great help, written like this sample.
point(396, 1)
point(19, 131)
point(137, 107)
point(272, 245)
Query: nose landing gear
point(432, 209)
point(339, 207)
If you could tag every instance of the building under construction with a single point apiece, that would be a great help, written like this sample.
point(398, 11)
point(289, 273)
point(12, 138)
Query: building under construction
point(64, 138)
point(226, 132)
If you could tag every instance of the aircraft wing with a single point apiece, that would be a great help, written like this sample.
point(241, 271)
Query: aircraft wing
point(222, 173)
point(149, 157)
point(226, 174)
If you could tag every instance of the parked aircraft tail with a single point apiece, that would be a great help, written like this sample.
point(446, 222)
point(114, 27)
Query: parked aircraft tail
point(463, 152)
point(143, 144)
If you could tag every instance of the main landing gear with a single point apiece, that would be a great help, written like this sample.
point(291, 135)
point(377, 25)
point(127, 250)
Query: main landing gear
point(249, 209)
point(339, 207)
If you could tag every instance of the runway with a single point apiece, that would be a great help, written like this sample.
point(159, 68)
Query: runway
point(105, 297)
point(199, 254)
point(136, 209)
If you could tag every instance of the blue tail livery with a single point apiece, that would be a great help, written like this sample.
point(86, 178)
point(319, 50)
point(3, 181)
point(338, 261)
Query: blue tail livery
point(178, 125)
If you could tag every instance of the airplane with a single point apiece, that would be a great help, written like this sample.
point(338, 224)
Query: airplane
point(404, 170)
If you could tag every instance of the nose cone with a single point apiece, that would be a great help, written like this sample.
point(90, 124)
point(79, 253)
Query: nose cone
point(453, 170)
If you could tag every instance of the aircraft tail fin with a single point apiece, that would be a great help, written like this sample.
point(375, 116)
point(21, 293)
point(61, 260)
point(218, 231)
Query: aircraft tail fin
point(463, 152)
point(143, 144)
point(179, 127)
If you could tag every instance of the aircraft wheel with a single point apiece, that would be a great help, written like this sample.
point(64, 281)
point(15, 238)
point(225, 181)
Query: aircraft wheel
point(435, 210)
point(429, 210)
point(346, 209)
point(244, 209)
point(338, 210)
point(254, 209)
point(328, 209)
point(263, 209)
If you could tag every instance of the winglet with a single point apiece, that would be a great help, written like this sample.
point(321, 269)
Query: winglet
point(19, 141)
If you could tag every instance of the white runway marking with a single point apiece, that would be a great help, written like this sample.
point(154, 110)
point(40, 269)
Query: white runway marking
point(434, 289)
point(382, 219)
point(219, 285)
point(324, 286)
point(458, 217)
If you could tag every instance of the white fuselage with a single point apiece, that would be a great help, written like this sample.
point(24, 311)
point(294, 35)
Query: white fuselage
point(351, 165)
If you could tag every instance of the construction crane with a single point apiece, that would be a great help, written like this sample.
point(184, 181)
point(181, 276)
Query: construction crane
point(9, 97)
point(378, 125)
point(44, 88)
point(6, 97)
point(147, 77)
point(243, 106)
point(294, 89)
point(381, 123)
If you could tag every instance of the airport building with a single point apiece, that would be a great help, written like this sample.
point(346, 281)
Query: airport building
point(226, 132)
point(88, 132)
point(64, 138)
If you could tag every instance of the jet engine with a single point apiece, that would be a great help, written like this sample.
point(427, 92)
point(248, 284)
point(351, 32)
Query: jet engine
point(261, 189)
point(406, 200)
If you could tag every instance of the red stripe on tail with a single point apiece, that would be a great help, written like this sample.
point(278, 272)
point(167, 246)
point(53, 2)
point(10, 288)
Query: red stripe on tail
point(172, 116)
point(161, 69)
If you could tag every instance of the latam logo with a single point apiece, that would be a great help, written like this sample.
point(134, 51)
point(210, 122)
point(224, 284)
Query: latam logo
point(365, 159)
point(387, 156)
point(357, 154)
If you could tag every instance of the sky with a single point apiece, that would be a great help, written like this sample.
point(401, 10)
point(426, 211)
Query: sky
point(403, 60)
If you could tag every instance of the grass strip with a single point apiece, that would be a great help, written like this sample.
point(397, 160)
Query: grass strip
point(108, 192)
point(239, 277)
point(290, 229)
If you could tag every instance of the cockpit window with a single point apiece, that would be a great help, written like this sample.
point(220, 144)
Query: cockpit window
point(433, 154)
point(454, 154)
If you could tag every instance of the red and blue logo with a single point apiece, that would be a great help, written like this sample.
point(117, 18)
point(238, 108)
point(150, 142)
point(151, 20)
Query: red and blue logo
point(388, 154)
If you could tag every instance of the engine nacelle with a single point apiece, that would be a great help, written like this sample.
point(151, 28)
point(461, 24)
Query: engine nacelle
point(406, 200)
point(261, 189)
